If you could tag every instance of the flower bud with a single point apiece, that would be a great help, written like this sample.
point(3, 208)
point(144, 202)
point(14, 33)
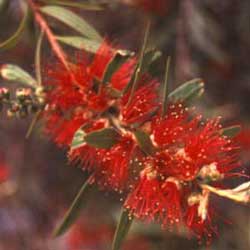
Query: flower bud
point(4, 94)
point(23, 94)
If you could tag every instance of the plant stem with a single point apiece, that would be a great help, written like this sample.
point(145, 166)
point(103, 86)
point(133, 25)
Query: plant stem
point(51, 37)
point(32, 124)
point(138, 70)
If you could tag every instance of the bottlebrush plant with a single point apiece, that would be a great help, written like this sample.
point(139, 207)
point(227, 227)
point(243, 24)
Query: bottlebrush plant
point(130, 132)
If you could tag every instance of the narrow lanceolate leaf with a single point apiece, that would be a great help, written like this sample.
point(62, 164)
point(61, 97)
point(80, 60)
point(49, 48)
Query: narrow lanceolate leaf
point(72, 20)
point(144, 142)
point(74, 210)
point(231, 131)
point(13, 40)
point(12, 72)
point(4, 4)
point(78, 139)
point(119, 58)
point(122, 229)
point(87, 5)
point(103, 138)
point(165, 89)
point(79, 42)
point(150, 57)
point(138, 71)
point(187, 91)
point(38, 58)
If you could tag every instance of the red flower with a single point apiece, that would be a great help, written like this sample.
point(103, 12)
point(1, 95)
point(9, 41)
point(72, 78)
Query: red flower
point(201, 228)
point(188, 151)
point(101, 60)
point(154, 198)
point(114, 164)
point(142, 105)
point(63, 129)
point(191, 145)
point(89, 156)
point(74, 102)
point(121, 77)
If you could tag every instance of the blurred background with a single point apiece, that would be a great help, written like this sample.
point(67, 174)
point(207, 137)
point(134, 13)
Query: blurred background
point(208, 39)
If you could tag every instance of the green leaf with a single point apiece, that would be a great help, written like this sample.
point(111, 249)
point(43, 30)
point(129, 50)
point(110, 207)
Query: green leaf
point(122, 229)
point(86, 6)
point(12, 72)
point(136, 76)
point(187, 91)
point(119, 58)
point(165, 89)
point(72, 20)
point(150, 57)
point(78, 139)
point(4, 4)
point(38, 58)
point(13, 40)
point(104, 138)
point(144, 142)
point(74, 210)
point(79, 42)
point(231, 131)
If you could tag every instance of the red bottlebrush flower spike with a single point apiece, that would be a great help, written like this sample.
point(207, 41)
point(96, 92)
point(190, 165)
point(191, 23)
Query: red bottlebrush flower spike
point(89, 156)
point(198, 217)
point(155, 199)
point(142, 105)
point(191, 145)
point(115, 163)
point(101, 60)
point(62, 130)
point(66, 96)
point(188, 151)
point(143, 201)
point(123, 75)
point(244, 138)
point(98, 102)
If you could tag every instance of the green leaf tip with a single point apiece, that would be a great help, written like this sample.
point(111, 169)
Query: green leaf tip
point(74, 210)
point(78, 139)
point(122, 229)
point(72, 20)
point(11, 72)
point(120, 57)
point(231, 131)
point(188, 91)
point(144, 142)
point(79, 42)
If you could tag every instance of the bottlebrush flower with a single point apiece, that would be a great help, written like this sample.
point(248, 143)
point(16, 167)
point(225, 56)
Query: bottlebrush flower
point(189, 152)
point(115, 162)
point(142, 105)
point(201, 227)
point(76, 97)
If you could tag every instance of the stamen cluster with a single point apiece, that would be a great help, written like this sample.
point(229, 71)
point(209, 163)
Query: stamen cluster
point(162, 184)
